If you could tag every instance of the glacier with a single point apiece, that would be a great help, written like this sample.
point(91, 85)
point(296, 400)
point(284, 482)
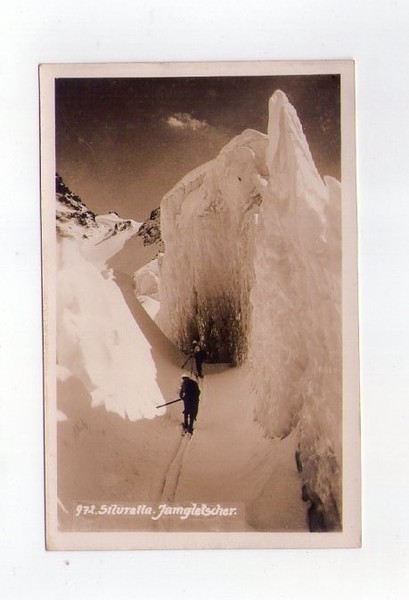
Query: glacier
point(252, 267)
point(244, 253)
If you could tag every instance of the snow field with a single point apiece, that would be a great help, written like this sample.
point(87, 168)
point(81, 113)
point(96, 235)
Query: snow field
point(227, 460)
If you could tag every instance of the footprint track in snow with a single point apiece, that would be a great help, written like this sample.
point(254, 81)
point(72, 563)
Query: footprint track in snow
point(174, 471)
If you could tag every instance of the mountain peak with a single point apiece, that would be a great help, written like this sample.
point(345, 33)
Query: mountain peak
point(76, 220)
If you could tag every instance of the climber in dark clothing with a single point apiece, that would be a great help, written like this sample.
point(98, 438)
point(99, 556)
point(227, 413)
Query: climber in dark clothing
point(198, 354)
point(189, 393)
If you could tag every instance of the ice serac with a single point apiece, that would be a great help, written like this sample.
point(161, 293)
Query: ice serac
point(207, 225)
point(296, 346)
point(146, 287)
point(252, 265)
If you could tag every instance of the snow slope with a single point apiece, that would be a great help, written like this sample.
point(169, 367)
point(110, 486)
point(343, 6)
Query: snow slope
point(252, 266)
point(98, 341)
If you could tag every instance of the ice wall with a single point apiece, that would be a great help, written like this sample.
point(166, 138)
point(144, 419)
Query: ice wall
point(207, 225)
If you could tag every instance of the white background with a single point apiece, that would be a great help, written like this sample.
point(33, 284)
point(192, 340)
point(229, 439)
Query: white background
point(375, 34)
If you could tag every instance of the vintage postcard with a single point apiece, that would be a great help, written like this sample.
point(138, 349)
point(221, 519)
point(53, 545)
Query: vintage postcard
point(200, 305)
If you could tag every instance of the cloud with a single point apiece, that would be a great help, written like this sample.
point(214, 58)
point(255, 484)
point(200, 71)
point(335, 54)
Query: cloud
point(185, 121)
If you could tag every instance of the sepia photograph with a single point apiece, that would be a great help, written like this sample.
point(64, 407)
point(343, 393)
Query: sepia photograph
point(200, 305)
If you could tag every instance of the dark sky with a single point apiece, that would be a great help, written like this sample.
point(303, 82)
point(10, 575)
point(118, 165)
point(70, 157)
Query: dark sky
point(121, 144)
